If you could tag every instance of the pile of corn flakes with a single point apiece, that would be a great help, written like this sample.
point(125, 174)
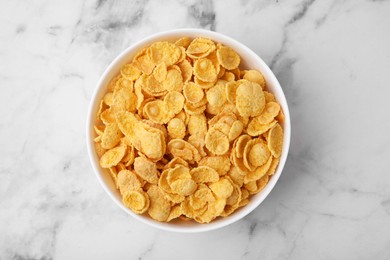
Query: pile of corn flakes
point(185, 133)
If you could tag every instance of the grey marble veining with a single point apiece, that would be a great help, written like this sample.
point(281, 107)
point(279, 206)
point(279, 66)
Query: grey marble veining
point(333, 61)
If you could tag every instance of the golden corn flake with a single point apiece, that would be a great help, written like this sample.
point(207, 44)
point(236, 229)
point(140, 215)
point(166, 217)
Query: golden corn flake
point(200, 47)
point(197, 141)
point(204, 70)
point(250, 99)
point(143, 62)
point(160, 207)
point(228, 58)
point(240, 145)
point(221, 164)
point(269, 97)
point(231, 91)
point(192, 92)
point(217, 142)
point(108, 98)
point(204, 84)
point(174, 102)
point(113, 156)
point(183, 42)
point(191, 109)
point(137, 201)
point(151, 126)
point(228, 76)
point(259, 172)
point(280, 117)
point(160, 72)
point(152, 87)
point(197, 124)
point(222, 188)
point(187, 134)
point(254, 187)
point(99, 149)
point(235, 130)
point(199, 199)
point(183, 149)
point(183, 55)
point(124, 100)
point(183, 187)
point(275, 140)
point(130, 72)
point(124, 83)
point(174, 197)
point(112, 84)
point(163, 182)
point(155, 111)
point(189, 211)
point(273, 166)
point(216, 96)
point(255, 76)
point(255, 128)
point(176, 128)
point(146, 169)
point(271, 110)
point(129, 157)
point(173, 81)
point(186, 70)
point(203, 174)
point(179, 172)
point(138, 92)
point(214, 210)
point(256, 153)
point(239, 164)
point(128, 181)
point(128, 123)
point(166, 52)
point(152, 144)
point(176, 212)
point(111, 136)
point(176, 161)
point(236, 176)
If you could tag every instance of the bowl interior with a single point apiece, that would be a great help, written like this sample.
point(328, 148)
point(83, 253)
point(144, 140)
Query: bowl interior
point(249, 60)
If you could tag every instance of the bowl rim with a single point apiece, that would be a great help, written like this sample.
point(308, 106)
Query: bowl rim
point(180, 33)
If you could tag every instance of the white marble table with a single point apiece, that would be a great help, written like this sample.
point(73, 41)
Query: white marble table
point(333, 61)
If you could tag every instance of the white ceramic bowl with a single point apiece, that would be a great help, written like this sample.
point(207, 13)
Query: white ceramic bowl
point(249, 59)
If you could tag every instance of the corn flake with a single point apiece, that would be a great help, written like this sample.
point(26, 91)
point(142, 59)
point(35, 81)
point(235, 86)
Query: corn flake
point(113, 156)
point(200, 47)
point(166, 52)
point(192, 92)
point(138, 201)
point(203, 174)
point(176, 128)
point(275, 141)
point(160, 207)
point(204, 70)
point(255, 76)
point(250, 99)
point(228, 58)
point(146, 169)
point(128, 181)
point(130, 72)
point(217, 142)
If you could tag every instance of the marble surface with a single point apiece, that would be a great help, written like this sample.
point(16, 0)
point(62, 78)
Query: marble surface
point(333, 61)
